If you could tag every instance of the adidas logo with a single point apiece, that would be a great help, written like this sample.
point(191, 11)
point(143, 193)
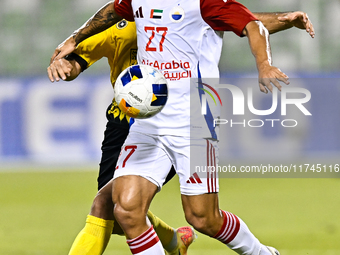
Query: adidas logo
point(194, 179)
point(139, 13)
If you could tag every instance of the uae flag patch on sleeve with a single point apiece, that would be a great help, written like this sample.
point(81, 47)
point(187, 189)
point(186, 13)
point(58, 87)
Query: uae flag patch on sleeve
point(156, 14)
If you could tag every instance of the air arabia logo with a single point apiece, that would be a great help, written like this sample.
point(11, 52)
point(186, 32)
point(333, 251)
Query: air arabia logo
point(204, 97)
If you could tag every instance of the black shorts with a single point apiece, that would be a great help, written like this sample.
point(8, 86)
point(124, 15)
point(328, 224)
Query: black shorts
point(117, 129)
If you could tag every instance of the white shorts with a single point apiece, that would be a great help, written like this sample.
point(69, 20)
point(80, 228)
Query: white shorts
point(151, 156)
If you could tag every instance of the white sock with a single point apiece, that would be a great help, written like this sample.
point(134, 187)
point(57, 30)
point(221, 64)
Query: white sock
point(236, 235)
point(146, 244)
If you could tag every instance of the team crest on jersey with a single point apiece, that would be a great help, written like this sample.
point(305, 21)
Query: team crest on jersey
point(122, 24)
point(177, 14)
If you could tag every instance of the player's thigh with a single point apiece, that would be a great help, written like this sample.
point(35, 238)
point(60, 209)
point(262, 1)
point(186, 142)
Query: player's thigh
point(144, 156)
point(102, 205)
point(196, 168)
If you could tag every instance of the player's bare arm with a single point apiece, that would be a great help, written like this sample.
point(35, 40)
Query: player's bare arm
point(258, 37)
point(103, 19)
point(64, 69)
point(279, 21)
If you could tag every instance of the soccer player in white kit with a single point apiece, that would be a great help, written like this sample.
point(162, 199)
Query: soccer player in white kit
point(180, 37)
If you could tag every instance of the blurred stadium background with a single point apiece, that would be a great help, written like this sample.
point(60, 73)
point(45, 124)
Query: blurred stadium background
point(50, 135)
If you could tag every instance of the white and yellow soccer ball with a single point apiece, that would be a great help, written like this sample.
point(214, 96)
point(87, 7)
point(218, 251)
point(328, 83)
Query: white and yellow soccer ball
point(141, 91)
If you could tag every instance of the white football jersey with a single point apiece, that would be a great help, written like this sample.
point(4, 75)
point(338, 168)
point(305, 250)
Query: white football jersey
point(175, 37)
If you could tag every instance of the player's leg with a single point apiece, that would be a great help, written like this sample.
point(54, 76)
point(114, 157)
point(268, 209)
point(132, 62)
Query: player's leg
point(94, 237)
point(114, 138)
point(115, 134)
point(100, 223)
point(170, 238)
point(180, 240)
point(130, 205)
point(203, 213)
point(102, 211)
point(205, 216)
point(135, 183)
point(174, 241)
point(201, 207)
point(132, 195)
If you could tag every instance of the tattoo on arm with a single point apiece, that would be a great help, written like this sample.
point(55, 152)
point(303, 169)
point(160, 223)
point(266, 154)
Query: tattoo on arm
point(102, 20)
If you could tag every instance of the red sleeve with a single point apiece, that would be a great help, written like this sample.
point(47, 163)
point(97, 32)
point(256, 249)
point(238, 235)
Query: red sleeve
point(226, 15)
point(124, 9)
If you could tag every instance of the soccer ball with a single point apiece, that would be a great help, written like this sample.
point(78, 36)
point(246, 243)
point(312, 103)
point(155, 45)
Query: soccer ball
point(141, 91)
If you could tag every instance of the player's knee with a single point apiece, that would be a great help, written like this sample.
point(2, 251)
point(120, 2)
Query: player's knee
point(197, 222)
point(202, 222)
point(102, 200)
point(129, 214)
point(121, 214)
point(102, 206)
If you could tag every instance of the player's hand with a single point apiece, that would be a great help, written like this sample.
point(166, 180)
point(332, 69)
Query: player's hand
point(269, 76)
point(65, 48)
point(300, 20)
point(59, 69)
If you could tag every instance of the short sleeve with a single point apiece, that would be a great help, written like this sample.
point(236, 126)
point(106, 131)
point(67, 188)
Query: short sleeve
point(227, 15)
point(96, 47)
point(124, 9)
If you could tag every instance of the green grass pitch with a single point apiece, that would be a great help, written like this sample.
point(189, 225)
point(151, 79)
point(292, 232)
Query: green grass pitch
point(42, 212)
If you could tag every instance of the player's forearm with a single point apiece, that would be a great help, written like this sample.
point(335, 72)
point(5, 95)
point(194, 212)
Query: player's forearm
point(271, 21)
point(258, 38)
point(102, 20)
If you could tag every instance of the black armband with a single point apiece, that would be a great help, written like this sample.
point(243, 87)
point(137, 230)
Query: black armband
point(82, 62)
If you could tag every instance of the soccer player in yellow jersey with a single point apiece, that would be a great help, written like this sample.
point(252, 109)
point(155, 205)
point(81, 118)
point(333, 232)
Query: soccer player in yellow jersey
point(118, 44)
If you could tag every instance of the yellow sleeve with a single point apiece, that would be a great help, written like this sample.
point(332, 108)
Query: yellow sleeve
point(118, 44)
point(97, 46)
point(125, 53)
